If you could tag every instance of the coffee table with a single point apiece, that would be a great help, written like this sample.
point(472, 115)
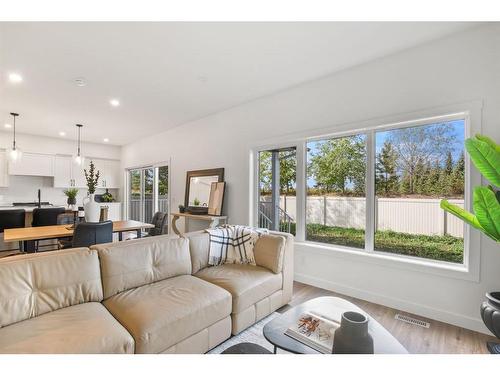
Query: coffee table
point(331, 307)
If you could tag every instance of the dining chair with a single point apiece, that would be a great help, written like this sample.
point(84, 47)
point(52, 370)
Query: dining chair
point(65, 219)
point(12, 219)
point(160, 222)
point(45, 216)
point(88, 234)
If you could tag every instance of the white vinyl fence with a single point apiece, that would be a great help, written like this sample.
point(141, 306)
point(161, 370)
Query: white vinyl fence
point(407, 215)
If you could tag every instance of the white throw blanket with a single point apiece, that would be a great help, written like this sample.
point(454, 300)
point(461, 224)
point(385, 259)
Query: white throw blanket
point(233, 244)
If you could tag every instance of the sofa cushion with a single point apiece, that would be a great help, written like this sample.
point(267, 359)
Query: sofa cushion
point(129, 264)
point(269, 251)
point(36, 284)
point(86, 328)
point(166, 312)
point(247, 284)
point(199, 245)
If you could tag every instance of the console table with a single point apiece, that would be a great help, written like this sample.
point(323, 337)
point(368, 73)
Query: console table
point(213, 221)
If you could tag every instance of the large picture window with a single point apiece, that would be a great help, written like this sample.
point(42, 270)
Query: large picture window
point(336, 200)
point(377, 190)
point(415, 167)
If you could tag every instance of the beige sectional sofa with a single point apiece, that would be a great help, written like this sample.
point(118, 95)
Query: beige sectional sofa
point(152, 295)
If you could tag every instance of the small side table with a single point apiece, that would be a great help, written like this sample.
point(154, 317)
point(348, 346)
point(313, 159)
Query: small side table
point(213, 221)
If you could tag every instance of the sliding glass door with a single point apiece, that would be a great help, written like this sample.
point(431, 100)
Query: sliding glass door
point(147, 192)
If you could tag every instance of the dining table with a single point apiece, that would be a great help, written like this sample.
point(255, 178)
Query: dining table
point(27, 235)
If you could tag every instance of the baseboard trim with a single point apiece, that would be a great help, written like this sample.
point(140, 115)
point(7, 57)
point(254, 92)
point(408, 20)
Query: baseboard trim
point(396, 303)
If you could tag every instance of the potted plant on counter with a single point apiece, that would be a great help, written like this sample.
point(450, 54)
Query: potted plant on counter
point(71, 194)
point(91, 207)
point(485, 154)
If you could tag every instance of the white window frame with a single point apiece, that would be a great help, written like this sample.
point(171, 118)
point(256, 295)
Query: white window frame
point(471, 112)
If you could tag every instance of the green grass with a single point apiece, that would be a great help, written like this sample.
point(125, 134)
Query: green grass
point(445, 248)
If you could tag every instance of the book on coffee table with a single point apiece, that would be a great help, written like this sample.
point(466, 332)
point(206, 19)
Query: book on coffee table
point(315, 331)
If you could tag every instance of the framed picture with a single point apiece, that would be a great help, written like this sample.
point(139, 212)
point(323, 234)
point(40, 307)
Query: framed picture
point(216, 198)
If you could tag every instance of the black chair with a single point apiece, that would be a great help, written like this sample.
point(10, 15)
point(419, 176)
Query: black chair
point(88, 234)
point(160, 222)
point(12, 219)
point(65, 219)
point(46, 216)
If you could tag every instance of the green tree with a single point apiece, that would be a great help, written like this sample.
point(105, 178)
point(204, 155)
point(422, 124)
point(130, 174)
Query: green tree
point(386, 177)
point(432, 182)
point(288, 171)
point(338, 165)
point(421, 143)
point(163, 180)
point(458, 176)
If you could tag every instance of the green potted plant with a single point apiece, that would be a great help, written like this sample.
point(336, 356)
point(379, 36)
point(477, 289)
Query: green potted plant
point(485, 154)
point(71, 194)
point(91, 207)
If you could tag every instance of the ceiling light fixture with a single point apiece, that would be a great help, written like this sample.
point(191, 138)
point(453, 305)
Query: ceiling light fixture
point(114, 102)
point(15, 78)
point(78, 159)
point(15, 153)
point(106, 140)
point(7, 126)
point(62, 134)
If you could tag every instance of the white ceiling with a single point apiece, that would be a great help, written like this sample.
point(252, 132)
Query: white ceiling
point(166, 74)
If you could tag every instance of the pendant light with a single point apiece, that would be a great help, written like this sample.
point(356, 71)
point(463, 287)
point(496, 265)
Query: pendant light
point(15, 153)
point(78, 158)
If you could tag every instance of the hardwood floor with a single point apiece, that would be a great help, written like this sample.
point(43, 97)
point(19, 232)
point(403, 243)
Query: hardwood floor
point(439, 338)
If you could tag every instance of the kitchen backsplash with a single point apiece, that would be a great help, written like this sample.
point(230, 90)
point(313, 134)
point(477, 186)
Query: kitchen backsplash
point(25, 189)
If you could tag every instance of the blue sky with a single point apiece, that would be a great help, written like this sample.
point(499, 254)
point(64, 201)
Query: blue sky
point(458, 129)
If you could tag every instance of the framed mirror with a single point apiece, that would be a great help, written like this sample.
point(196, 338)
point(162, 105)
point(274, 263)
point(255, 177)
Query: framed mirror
point(198, 185)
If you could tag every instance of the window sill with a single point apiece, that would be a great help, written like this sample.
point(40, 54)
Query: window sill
point(443, 269)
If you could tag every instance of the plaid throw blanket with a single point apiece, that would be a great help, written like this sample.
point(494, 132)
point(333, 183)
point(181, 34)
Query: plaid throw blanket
point(233, 244)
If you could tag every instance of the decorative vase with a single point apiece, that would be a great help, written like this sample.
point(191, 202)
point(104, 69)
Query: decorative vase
point(352, 336)
point(92, 209)
point(71, 201)
point(490, 312)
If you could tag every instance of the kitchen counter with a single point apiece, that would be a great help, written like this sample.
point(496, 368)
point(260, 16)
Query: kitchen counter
point(27, 208)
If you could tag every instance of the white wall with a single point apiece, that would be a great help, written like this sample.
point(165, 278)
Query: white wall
point(24, 188)
point(460, 68)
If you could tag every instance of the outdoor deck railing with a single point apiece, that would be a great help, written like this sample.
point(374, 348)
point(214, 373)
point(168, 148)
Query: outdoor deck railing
point(135, 208)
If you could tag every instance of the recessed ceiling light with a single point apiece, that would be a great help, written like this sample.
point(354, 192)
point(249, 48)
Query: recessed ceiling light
point(114, 102)
point(62, 134)
point(7, 126)
point(15, 78)
point(106, 140)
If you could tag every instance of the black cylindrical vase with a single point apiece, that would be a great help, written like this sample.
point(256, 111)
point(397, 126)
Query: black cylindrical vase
point(352, 336)
point(490, 312)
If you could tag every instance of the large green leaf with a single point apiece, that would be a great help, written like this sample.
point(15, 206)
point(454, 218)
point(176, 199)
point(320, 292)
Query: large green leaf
point(461, 214)
point(486, 158)
point(488, 140)
point(487, 210)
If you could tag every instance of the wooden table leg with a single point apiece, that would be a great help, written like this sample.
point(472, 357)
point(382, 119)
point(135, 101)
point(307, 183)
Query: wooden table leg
point(139, 233)
point(120, 236)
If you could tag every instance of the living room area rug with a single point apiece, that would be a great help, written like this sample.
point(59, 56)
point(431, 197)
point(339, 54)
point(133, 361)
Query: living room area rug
point(253, 334)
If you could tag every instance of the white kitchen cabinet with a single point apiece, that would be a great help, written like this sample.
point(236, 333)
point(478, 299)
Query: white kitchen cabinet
point(109, 173)
point(63, 175)
point(68, 174)
point(4, 175)
point(33, 164)
point(111, 176)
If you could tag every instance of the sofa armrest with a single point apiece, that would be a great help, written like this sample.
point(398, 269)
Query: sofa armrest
point(268, 252)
